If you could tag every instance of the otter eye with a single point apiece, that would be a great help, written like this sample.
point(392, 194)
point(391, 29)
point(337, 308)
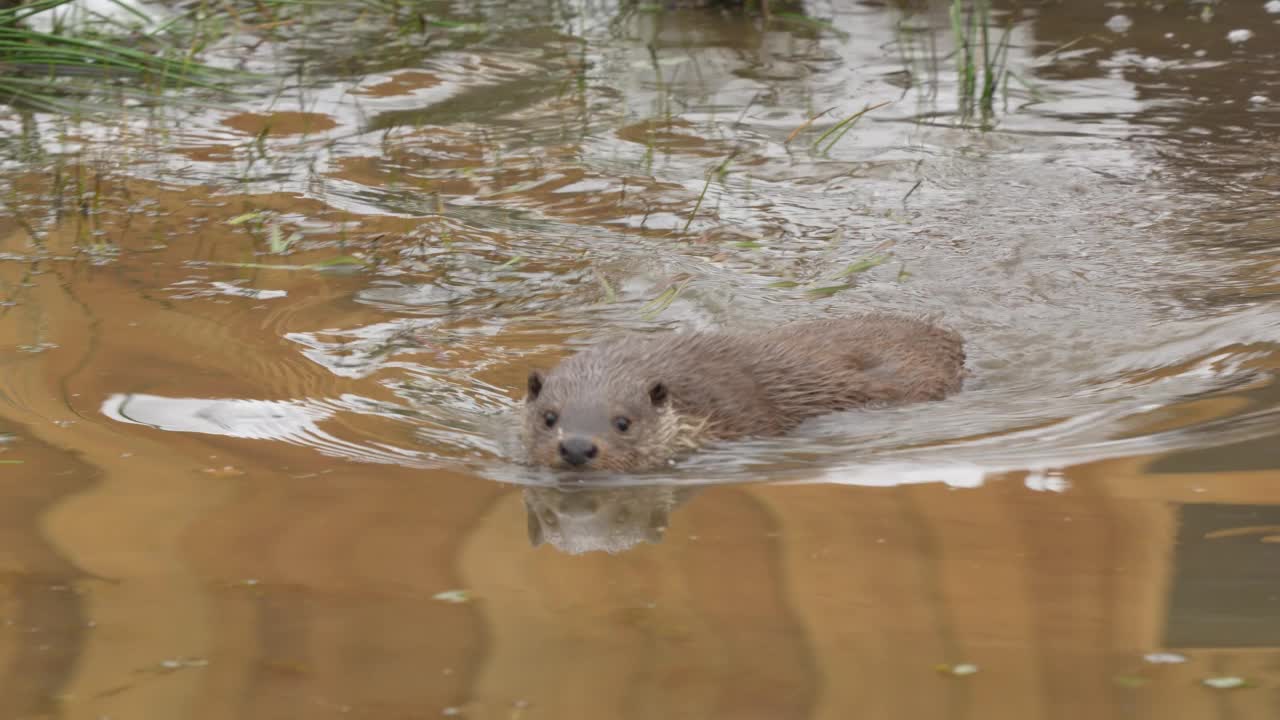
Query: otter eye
point(621, 423)
point(549, 418)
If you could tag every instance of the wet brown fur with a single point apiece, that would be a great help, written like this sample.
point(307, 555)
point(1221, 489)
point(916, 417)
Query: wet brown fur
point(728, 385)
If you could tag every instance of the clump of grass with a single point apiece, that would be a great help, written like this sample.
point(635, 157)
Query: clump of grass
point(266, 228)
point(802, 20)
point(652, 309)
point(977, 58)
point(60, 71)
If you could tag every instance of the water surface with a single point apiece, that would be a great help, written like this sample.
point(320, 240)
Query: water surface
point(261, 363)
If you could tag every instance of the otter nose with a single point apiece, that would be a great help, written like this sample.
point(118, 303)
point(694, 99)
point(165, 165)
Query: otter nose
point(578, 450)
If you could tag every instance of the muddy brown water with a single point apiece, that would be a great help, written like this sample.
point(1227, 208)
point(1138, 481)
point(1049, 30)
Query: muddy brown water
point(259, 364)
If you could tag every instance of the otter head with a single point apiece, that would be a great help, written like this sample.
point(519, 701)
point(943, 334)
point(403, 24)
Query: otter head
point(576, 419)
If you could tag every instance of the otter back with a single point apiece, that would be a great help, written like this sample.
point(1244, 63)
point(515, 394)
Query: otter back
point(639, 401)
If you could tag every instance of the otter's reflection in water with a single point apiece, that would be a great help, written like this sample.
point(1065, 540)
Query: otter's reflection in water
point(576, 520)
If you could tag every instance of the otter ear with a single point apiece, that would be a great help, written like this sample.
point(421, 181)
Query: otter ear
point(658, 393)
point(535, 384)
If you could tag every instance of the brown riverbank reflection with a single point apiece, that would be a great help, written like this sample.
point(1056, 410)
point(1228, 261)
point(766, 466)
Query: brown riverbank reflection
point(259, 364)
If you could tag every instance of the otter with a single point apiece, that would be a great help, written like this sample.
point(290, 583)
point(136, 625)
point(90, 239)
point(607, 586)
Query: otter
point(640, 402)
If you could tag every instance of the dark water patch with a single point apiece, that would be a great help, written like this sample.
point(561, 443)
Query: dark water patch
point(1213, 608)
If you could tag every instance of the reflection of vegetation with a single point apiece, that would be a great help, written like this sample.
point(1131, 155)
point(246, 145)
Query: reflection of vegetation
point(59, 70)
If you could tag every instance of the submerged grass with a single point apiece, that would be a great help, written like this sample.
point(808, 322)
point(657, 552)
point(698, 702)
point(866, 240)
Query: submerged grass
point(719, 171)
point(837, 131)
